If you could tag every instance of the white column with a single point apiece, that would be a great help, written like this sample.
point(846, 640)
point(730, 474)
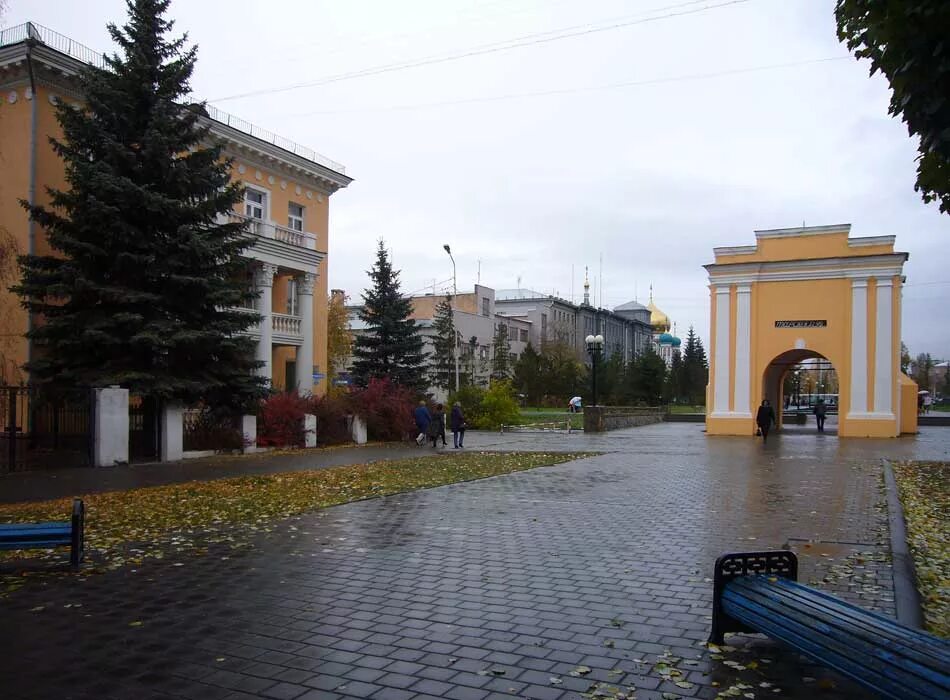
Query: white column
point(743, 347)
point(721, 351)
point(859, 347)
point(305, 351)
point(264, 279)
point(883, 349)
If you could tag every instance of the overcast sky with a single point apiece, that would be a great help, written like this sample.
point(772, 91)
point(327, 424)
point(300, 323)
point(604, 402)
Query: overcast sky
point(644, 144)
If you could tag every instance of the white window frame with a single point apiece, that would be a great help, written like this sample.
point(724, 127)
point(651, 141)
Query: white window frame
point(293, 219)
point(264, 205)
point(293, 307)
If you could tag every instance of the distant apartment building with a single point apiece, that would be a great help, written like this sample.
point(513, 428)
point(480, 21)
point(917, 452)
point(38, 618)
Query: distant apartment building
point(286, 205)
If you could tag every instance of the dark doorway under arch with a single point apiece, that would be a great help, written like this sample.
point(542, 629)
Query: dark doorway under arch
point(793, 383)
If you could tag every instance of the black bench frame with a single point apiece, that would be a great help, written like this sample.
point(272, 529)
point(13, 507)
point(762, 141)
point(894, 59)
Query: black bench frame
point(781, 563)
point(77, 537)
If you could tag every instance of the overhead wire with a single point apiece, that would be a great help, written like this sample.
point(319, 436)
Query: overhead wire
point(574, 90)
point(519, 42)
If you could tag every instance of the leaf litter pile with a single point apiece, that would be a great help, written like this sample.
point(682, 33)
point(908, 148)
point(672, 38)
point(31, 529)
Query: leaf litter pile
point(128, 527)
point(925, 496)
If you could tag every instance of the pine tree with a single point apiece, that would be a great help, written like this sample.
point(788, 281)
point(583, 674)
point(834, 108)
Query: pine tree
point(676, 378)
point(695, 369)
point(501, 354)
point(143, 282)
point(442, 365)
point(649, 379)
point(392, 346)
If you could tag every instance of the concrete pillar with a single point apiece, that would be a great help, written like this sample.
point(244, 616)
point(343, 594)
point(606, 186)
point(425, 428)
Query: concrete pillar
point(172, 428)
point(264, 279)
point(358, 430)
point(859, 348)
point(309, 430)
point(249, 431)
point(305, 352)
point(111, 420)
point(884, 349)
point(721, 351)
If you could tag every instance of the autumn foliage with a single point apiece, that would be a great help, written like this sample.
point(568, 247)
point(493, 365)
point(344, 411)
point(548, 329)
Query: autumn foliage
point(280, 423)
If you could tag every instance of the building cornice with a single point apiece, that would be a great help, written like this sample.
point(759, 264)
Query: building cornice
point(862, 266)
point(802, 231)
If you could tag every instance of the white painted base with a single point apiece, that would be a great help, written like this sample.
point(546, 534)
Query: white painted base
point(871, 416)
point(198, 454)
point(249, 431)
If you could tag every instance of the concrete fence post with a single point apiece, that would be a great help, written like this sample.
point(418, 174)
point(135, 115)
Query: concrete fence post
point(172, 429)
point(358, 430)
point(309, 430)
point(111, 420)
point(248, 429)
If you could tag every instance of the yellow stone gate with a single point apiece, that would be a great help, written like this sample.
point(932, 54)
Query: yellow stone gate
point(801, 293)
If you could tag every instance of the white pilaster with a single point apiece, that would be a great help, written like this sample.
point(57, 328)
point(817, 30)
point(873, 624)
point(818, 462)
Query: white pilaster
point(264, 279)
point(111, 439)
point(883, 349)
point(172, 433)
point(721, 351)
point(743, 348)
point(305, 351)
point(859, 347)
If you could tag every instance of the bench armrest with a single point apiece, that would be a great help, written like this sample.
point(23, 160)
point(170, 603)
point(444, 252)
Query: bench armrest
point(781, 563)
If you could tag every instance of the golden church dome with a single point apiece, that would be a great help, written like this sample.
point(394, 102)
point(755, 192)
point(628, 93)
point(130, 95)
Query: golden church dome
point(659, 320)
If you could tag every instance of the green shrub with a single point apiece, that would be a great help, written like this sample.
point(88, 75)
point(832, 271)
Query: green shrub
point(488, 409)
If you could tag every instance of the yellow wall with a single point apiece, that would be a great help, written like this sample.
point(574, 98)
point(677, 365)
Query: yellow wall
point(908, 404)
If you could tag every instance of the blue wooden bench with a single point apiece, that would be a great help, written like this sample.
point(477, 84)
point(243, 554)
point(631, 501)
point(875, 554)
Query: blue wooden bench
point(757, 592)
point(48, 535)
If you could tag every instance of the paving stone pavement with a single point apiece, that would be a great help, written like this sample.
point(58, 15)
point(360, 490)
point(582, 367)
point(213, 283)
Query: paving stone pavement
point(485, 590)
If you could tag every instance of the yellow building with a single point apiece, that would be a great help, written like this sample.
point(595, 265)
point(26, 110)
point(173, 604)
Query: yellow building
point(809, 292)
point(286, 203)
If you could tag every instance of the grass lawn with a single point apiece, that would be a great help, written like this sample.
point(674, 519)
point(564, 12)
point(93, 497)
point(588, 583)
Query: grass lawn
point(925, 496)
point(678, 408)
point(548, 417)
point(127, 527)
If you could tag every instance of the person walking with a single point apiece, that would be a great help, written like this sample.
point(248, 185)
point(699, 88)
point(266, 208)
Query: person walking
point(820, 411)
point(423, 419)
point(457, 420)
point(437, 426)
point(764, 418)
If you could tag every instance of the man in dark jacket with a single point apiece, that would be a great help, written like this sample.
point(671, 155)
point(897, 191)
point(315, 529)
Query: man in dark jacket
point(764, 418)
point(458, 425)
point(423, 418)
point(820, 411)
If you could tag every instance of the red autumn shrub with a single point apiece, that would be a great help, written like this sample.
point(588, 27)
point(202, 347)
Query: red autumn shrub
point(280, 423)
point(387, 408)
point(332, 412)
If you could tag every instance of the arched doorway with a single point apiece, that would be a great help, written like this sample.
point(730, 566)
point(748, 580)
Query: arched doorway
point(794, 382)
point(805, 293)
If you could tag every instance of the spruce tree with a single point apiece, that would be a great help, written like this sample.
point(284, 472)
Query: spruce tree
point(442, 365)
point(501, 354)
point(695, 369)
point(528, 376)
point(143, 281)
point(676, 378)
point(392, 347)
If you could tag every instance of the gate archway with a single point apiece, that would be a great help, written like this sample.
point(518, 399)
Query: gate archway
point(809, 292)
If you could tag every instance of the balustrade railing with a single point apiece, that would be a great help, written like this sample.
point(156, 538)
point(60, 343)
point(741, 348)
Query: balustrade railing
point(266, 229)
point(285, 324)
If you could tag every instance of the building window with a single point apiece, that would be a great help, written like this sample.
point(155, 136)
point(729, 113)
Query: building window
point(523, 335)
point(486, 306)
point(513, 357)
point(292, 307)
point(295, 217)
point(482, 353)
point(255, 203)
point(544, 326)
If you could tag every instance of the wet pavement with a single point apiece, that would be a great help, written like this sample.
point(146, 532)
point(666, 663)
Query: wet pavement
point(488, 589)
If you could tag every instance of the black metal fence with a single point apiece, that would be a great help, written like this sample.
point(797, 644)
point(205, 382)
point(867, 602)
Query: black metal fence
point(43, 430)
point(143, 429)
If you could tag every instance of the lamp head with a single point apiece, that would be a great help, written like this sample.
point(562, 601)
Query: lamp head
point(599, 339)
point(447, 249)
point(589, 340)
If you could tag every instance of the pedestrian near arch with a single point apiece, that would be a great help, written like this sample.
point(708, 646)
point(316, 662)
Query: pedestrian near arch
point(765, 418)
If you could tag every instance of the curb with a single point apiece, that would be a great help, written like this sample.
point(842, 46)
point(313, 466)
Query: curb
point(906, 597)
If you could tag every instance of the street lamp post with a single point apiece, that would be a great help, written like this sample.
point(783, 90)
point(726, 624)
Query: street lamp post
point(455, 292)
point(595, 344)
